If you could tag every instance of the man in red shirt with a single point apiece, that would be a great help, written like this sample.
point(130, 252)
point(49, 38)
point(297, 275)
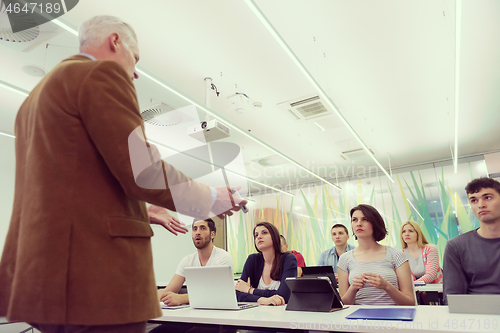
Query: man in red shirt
point(300, 259)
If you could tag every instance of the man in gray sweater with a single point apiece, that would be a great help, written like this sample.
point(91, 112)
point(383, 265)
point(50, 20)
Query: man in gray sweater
point(472, 261)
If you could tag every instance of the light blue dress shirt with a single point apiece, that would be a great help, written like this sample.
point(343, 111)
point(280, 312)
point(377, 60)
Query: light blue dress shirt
point(331, 258)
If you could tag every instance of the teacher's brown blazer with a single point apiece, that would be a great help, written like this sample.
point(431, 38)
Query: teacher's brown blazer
point(78, 248)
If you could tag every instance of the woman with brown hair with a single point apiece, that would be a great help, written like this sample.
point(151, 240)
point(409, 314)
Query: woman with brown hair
point(264, 273)
point(422, 256)
point(373, 274)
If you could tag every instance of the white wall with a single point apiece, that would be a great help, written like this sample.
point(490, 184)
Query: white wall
point(168, 250)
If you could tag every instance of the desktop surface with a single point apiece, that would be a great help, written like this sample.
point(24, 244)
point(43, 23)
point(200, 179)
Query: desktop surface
point(427, 319)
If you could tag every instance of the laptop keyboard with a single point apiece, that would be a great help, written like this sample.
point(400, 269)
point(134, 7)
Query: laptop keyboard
point(246, 305)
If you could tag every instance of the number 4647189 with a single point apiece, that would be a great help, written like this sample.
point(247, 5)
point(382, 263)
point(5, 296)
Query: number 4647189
point(33, 7)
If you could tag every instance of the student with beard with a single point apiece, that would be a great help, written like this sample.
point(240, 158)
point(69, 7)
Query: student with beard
point(203, 233)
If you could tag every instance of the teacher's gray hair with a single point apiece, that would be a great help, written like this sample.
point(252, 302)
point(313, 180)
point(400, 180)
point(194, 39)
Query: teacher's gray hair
point(95, 30)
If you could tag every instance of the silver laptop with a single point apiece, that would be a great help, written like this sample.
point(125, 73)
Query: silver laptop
point(474, 303)
point(213, 288)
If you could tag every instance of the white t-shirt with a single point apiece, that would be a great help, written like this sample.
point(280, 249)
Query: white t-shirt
point(274, 285)
point(218, 257)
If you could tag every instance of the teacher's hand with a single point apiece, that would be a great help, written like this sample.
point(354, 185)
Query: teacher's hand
point(159, 215)
point(227, 202)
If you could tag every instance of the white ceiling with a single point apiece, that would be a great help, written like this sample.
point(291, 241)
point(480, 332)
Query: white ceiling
point(389, 66)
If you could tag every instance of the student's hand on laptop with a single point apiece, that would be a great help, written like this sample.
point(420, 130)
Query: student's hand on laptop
point(171, 299)
point(226, 201)
point(273, 300)
point(243, 286)
point(159, 215)
point(336, 276)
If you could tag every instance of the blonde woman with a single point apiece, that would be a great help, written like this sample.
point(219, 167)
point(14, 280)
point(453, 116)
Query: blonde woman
point(422, 256)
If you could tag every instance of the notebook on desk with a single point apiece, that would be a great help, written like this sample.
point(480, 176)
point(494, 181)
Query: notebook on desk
point(213, 288)
point(474, 304)
point(405, 314)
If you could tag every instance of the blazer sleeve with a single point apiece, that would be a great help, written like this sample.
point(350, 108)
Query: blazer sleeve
point(288, 269)
point(109, 110)
point(431, 264)
point(249, 271)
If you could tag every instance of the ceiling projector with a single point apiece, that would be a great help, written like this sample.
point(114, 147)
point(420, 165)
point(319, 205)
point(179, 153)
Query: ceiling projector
point(208, 131)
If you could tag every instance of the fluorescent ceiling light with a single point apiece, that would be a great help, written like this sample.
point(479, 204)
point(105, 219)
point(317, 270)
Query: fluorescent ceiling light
point(210, 112)
point(414, 208)
point(311, 79)
point(458, 30)
point(65, 27)
point(14, 88)
point(8, 135)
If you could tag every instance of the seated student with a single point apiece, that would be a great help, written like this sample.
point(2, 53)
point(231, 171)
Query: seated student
point(300, 259)
point(422, 256)
point(330, 257)
point(471, 262)
point(203, 233)
point(373, 274)
point(264, 273)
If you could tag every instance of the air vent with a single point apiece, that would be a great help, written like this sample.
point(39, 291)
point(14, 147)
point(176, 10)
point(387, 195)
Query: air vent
point(163, 115)
point(311, 107)
point(223, 128)
point(272, 160)
point(24, 36)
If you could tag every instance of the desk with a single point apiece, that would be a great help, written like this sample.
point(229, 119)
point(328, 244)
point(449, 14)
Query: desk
point(430, 287)
point(430, 294)
point(428, 319)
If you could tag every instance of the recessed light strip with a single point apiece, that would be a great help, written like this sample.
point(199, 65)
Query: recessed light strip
point(414, 208)
point(14, 88)
point(311, 79)
point(458, 28)
point(210, 112)
point(65, 27)
point(8, 135)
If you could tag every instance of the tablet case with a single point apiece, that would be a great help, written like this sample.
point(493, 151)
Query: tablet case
point(313, 271)
point(313, 294)
point(404, 314)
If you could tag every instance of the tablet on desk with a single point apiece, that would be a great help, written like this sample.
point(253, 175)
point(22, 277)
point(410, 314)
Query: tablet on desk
point(474, 304)
point(316, 294)
point(311, 271)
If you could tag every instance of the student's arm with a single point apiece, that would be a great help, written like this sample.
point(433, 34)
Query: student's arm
point(348, 291)
point(431, 266)
point(300, 260)
point(454, 278)
point(169, 295)
point(289, 269)
point(248, 269)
